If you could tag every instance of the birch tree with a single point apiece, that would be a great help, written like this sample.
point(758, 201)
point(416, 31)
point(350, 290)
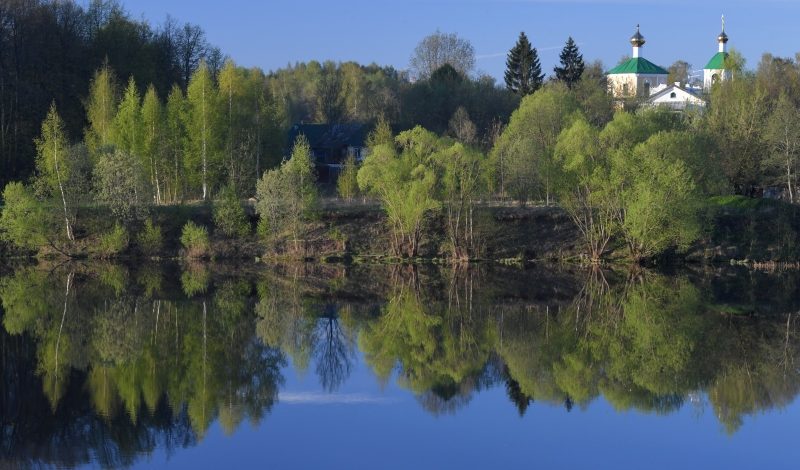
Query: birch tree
point(175, 142)
point(783, 137)
point(52, 164)
point(201, 126)
point(153, 151)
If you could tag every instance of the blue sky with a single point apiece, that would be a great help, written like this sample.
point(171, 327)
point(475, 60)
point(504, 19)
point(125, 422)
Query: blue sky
point(270, 34)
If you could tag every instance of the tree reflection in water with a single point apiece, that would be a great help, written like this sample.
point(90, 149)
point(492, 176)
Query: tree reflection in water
point(129, 360)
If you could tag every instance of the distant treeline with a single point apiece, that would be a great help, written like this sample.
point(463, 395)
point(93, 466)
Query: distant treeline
point(50, 51)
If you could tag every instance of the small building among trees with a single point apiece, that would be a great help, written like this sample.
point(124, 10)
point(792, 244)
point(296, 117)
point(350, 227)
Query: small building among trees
point(331, 144)
point(677, 97)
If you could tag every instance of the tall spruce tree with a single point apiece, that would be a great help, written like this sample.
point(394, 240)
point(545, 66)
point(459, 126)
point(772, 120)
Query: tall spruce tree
point(523, 70)
point(572, 64)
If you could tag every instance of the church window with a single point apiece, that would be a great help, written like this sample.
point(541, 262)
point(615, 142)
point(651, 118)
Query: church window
point(673, 95)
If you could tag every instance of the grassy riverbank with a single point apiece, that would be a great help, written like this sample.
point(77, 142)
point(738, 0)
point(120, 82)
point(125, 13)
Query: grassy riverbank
point(753, 231)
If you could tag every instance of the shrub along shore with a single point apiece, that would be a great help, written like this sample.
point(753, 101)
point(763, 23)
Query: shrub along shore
point(351, 232)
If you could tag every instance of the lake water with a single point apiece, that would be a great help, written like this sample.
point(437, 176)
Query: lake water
point(222, 366)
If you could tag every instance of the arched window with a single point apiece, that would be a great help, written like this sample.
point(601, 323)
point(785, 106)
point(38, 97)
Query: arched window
point(714, 78)
point(673, 95)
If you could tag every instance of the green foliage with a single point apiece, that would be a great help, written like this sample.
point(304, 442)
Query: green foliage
point(347, 183)
point(154, 155)
point(202, 142)
point(585, 187)
point(735, 123)
point(24, 221)
point(523, 70)
point(114, 242)
point(636, 178)
point(121, 184)
point(128, 135)
point(229, 215)
point(53, 166)
point(101, 107)
point(571, 60)
point(523, 165)
point(287, 196)
point(195, 280)
point(195, 241)
point(460, 180)
point(404, 184)
point(661, 200)
point(150, 239)
point(783, 137)
point(381, 134)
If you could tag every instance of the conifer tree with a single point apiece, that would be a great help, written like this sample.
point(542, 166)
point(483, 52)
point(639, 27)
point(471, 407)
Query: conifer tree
point(523, 69)
point(572, 65)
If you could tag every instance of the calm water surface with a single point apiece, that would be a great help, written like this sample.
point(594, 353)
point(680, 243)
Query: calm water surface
point(218, 366)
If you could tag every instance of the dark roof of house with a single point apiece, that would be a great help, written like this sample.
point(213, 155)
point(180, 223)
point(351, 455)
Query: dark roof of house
point(330, 136)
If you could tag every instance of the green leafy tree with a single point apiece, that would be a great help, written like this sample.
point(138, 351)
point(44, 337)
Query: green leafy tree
point(736, 123)
point(202, 136)
point(660, 199)
point(238, 125)
point(523, 164)
point(405, 185)
point(53, 166)
point(150, 239)
point(523, 70)
point(347, 182)
point(175, 142)
point(571, 68)
point(154, 154)
point(585, 187)
point(24, 220)
point(381, 134)
point(783, 136)
point(460, 179)
point(101, 107)
point(128, 134)
point(287, 196)
point(330, 99)
point(194, 239)
point(122, 185)
point(229, 215)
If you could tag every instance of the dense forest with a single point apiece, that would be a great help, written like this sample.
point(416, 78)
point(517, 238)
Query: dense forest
point(50, 53)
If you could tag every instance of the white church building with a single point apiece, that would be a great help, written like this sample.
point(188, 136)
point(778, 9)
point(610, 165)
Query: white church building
point(638, 78)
